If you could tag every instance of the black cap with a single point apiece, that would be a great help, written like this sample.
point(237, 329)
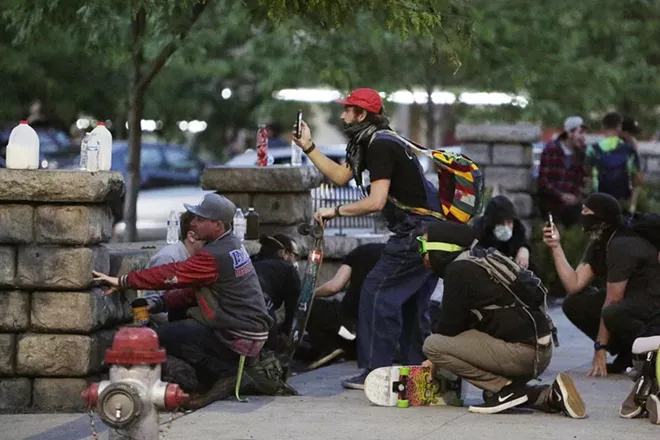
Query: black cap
point(605, 207)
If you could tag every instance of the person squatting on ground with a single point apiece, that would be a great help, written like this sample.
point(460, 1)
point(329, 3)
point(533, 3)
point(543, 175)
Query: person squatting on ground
point(187, 246)
point(501, 228)
point(612, 317)
point(328, 316)
point(485, 337)
point(276, 265)
point(228, 315)
point(394, 300)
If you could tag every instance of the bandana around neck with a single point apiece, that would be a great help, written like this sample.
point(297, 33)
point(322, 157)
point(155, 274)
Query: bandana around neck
point(359, 136)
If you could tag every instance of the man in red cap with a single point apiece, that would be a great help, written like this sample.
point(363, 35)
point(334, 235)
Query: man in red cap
point(394, 299)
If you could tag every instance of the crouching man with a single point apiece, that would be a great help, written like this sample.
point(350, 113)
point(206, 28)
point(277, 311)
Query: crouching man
point(485, 337)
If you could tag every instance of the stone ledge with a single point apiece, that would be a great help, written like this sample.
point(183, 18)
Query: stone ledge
point(14, 311)
point(15, 394)
point(60, 186)
point(512, 154)
point(253, 179)
point(514, 133)
point(49, 267)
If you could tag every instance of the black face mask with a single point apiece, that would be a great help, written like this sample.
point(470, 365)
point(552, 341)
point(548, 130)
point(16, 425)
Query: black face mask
point(590, 222)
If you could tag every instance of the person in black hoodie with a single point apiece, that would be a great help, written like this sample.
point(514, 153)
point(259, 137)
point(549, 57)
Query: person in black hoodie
point(501, 228)
point(482, 338)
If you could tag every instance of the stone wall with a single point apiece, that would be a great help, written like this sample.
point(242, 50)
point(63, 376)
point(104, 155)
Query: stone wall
point(54, 326)
point(504, 152)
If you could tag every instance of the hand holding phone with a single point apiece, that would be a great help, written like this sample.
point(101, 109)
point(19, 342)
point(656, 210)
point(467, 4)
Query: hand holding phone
point(551, 224)
point(299, 124)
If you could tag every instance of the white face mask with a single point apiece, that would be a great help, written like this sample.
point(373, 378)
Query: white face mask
point(503, 232)
point(295, 264)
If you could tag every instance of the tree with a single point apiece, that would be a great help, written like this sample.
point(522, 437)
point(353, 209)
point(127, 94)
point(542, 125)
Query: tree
point(144, 35)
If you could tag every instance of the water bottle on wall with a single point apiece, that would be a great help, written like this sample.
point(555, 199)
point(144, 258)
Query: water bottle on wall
point(172, 228)
point(83, 152)
point(92, 157)
point(240, 224)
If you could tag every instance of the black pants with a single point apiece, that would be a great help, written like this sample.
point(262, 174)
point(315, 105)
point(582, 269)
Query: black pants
point(196, 344)
point(323, 326)
point(624, 320)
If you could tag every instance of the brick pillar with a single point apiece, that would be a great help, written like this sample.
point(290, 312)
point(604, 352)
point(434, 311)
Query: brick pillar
point(504, 152)
point(53, 324)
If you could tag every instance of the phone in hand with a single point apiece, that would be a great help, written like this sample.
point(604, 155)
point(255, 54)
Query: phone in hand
point(551, 224)
point(299, 124)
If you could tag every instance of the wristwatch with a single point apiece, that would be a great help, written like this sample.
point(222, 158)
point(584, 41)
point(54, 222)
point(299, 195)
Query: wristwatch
point(599, 346)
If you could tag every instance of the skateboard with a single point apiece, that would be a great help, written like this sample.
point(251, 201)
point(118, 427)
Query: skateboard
point(307, 287)
point(412, 385)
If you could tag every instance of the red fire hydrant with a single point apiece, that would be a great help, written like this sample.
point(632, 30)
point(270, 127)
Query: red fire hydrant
point(130, 400)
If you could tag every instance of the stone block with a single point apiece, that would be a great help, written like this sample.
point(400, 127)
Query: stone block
point(653, 165)
point(15, 394)
point(73, 225)
point(123, 261)
point(16, 221)
point(518, 133)
point(59, 267)
point(523, 203)
point(512, 154)
point(76, 312)
point(253, 179)
point(479, 153)
point(56, 355)
point(60, 186)
point(241, 200)
point(7, 266)
point(58, 395)
point(14, 311)
point(283, 209)
point(508, 178)
point(7, 354)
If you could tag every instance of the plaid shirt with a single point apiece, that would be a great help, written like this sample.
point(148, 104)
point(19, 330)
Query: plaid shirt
point(559, 174)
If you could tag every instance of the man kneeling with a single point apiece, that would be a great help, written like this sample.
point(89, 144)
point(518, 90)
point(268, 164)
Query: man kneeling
point(485, 336)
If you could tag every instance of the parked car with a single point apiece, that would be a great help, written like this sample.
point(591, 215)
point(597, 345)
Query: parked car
point(56, 148)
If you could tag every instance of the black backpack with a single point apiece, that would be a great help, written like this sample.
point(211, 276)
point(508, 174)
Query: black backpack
point(646, 225)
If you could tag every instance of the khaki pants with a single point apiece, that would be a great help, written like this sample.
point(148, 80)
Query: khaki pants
point(486, 362)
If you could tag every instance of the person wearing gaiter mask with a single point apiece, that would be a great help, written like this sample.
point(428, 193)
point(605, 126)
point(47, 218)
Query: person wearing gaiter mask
point(484, 338)
point(501, 228)
point(612, 317)
point(395, 295)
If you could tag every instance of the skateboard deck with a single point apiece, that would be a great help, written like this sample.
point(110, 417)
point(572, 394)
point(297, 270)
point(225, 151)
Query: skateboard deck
point(411, 385)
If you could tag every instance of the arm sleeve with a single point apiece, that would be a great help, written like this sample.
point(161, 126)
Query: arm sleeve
point(624, 254)
point(545, 173)
point(381, 159)
point(455, 311)
point(198, 270)
point(178, 298)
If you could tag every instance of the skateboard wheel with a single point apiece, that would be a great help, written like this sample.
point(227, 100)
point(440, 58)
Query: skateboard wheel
point(402, 404)
point(404, 371)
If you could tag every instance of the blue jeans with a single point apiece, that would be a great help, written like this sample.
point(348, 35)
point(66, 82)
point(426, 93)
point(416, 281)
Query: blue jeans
point(394, 305)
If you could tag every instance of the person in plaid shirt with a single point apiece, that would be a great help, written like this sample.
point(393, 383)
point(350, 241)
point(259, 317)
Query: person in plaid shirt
point(561, 173)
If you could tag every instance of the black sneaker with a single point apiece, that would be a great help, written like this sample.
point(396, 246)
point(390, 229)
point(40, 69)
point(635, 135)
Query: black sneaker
point(565, 397)
point(508, 397)
point(356, 382)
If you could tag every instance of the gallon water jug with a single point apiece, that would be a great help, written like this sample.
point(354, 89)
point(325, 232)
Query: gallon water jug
point(102, 138)
point(23, 148)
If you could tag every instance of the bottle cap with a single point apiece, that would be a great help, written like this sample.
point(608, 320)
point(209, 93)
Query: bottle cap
point(24, 122)
point(100, 124)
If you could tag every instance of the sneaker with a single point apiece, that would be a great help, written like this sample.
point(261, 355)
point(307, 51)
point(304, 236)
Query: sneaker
point(356, 382)
point(653, 408)
point(630, 408)
point(508, 397)
point(335, 354)
point(565, 397)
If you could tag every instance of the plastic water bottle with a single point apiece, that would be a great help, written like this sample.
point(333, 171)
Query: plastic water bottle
point(296, 155)
point(172, 228)
point(102, 137)
point(240, 224)
point(23, 148)
point(83, 152)
point(252, 222)
point(92, 157)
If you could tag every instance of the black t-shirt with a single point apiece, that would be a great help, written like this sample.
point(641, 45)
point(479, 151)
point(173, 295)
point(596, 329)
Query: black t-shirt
point(468, 287)
point(388, 160)
point(633, 258)
point(280, 283)
point(361, 260)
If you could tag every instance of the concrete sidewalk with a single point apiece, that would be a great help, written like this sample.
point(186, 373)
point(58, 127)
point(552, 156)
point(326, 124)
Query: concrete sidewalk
point(325, 411)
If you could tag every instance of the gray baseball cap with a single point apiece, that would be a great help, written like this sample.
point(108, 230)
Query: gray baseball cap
point(214, 207)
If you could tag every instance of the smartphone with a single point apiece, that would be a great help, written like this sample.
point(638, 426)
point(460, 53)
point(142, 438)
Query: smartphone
point(551, 224)
point(299, 124)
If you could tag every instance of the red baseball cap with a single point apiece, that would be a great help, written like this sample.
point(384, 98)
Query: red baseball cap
point(368, 99)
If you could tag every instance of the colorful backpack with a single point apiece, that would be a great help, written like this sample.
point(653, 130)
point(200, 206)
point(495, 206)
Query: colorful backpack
point(460, 184)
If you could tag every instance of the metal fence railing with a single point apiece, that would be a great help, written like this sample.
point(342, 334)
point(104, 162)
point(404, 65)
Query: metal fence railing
point(328, 195)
